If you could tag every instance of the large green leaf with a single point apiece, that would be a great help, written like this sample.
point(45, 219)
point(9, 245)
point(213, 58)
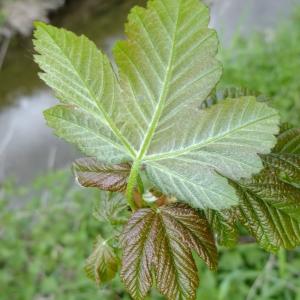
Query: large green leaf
point(160, 242)
point(149, 114)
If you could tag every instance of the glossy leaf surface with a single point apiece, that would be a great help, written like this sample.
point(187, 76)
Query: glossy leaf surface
point(160, 242)
point(91, 173)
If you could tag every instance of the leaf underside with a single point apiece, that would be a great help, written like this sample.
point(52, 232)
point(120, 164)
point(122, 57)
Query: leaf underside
point(158, 245)
point(148, 114)
point(270, 201)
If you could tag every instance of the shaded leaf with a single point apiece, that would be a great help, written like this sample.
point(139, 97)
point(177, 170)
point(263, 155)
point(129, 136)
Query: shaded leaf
point(112, 209)
point(149, 114)
point(288, 141)
point(102, 265)
point(285, 166)
point(223, 225)
point(160, 242)
point(91, 173)
point(270, 209)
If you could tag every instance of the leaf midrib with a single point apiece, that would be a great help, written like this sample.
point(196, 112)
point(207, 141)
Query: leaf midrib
point(174, 154)
point(154, 121)
point(168, 240)
point(165, 89)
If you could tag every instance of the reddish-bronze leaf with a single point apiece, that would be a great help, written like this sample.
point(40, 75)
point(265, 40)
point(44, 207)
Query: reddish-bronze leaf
point(138, 253)
point(160, 242)
point(102, 265)
point(288, 140)
point(92, 173)
point(224, 225)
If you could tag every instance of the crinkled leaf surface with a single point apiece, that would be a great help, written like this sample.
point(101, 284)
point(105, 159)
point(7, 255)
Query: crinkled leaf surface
point(89, 172)
point(102, 265)
point(158, 243)
point(112, 209)
point(270, 202)
point(149, 113)
point(288, 140)
point(224, 226)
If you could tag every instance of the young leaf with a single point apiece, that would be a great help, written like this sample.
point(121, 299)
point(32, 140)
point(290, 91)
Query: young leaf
point(102, 265)
point(160, 242)
point(91, 173)
point(285, 166)
point(288, 141)
point(223, 224)
point(112, 209)
point(270, 210)
point(149, 115)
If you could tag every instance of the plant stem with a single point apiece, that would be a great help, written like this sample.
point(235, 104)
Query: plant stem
point(140, 184)
point(132, 181)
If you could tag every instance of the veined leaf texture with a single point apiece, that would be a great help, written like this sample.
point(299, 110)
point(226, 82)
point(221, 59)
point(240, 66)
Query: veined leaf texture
point(147, 111)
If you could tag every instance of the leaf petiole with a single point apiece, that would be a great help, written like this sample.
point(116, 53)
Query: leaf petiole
point(132, 181)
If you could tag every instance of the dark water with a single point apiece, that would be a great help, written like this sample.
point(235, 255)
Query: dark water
point(27, 146)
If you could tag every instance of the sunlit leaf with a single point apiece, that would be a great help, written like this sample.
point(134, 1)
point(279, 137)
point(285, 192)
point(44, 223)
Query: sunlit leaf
point(89, 172)
point(148, 114)
point(160, 242)
point(102, 265)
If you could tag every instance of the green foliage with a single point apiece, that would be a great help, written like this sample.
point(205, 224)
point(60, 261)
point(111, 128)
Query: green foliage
point(163, 77)
point(156, 128)
point(44, 245)
point(46, 233)
point(2, 18)
point(269, 63)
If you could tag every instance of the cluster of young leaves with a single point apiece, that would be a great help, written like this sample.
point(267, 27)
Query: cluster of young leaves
point(103, 264)
point(150, 129)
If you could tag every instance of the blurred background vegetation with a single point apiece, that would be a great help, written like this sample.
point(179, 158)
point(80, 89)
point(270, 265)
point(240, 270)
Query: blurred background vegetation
point(46, 224)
